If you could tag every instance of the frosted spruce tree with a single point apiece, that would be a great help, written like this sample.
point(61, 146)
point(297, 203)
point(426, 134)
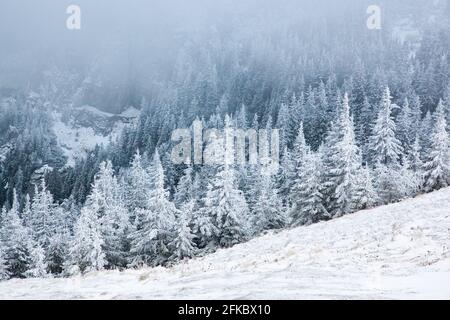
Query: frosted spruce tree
point(286, 176)
point(268, 212)
point(226, 202)
point(184, 190)
point(437, 166)
point(42, 220)
point(150, 242)
point(365, 196)
point(405, 126)
point(388, 154)
point(347, 165)
point(4, 274)
point(183, 245)
point(16, 241)
point(38, 266)
point(308, 201)
point(86, 250)
point(385, 146)
point(138, 181)
point(113, 216)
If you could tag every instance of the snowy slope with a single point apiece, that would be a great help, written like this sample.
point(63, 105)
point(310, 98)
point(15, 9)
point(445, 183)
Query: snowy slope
point(396, 251)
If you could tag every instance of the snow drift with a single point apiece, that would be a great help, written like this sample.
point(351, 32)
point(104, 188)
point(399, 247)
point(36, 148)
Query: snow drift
point(396, 251)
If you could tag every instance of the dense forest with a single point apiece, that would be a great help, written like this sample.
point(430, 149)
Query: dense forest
point(363, 118)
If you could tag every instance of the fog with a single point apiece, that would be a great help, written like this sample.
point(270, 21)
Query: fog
point(139, 40)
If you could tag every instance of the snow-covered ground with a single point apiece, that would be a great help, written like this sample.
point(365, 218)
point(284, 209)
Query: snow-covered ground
point(396, 251)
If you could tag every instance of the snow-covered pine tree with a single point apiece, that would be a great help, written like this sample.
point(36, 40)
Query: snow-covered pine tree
point(437, 166)
point(16, 241)
point(150, 242)
point(300, 148)
point(415, 157)
point(365, 196)
point(38, 267)
point(184, 188)
point(366, 127)
point(426, 134)
point(86, 250)
point(268, 212)
point(203, 225)
point(328, 153)
point(58, 248)
point(385, 146)
point(410, 181)
point(112, 214)
point(183, 245)
point(229, 209)
point(347, 164)
point(4, 274)
point(42, 215)
point(286, 176)
point(27, 213)
point(285, 125)
point(404, 127)
point(138, 182)
point(241, 119)
point(307, 205)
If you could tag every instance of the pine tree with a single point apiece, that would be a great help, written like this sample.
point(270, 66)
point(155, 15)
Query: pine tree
point(365, 196)
point(86, 252)
point(150, 243)
point(27, 213)
point(284, 124)
point(426, 134)
point(307, 205)
point(137, 183)
point(203, 225)
point(437, 167)
point(286, 176)
point(299, 155)
point(405, 125)
point(347, 166)
point(183, 245)
point(366, 127)
point(184, 188)
point(4, 274)
point(38, 267)
point(385, 146)
point(42, 215)
point(229, 210)
point(110, 209)
point(16, 241)
point(269, 210)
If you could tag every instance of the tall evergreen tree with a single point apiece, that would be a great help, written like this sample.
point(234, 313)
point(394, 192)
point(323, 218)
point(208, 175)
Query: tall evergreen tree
point(437, 166)
point(307, 205)
point(385, 146)
point(268, 211)
point(229, 210)
point(347, 161)
point(86, 251)
point(16, 241)
point(150, 242)
point(183, 245)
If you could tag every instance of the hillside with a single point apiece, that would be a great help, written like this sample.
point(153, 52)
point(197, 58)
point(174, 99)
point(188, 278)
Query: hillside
point(396, 251)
